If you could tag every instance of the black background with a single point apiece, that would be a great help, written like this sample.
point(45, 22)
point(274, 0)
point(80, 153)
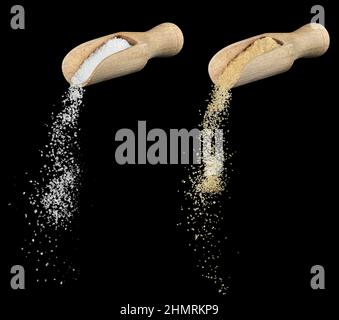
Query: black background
point(280, 219)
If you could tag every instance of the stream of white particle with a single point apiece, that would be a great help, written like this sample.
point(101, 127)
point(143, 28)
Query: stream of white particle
point(57, 193)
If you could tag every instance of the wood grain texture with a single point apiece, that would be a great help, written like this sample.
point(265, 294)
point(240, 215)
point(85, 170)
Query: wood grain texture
point(311, 40)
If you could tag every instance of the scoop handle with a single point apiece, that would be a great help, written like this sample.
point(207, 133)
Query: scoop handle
point(311, 40)
point(164, 40)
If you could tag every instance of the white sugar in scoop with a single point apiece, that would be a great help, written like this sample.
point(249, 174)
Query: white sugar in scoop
point(90, 64)
point(119, 54)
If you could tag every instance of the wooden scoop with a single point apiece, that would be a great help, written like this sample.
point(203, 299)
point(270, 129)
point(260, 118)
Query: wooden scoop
point(164, 40)
point(311, 40)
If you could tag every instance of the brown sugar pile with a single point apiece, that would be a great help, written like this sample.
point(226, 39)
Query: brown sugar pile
point(203, 211)
point(217, 110)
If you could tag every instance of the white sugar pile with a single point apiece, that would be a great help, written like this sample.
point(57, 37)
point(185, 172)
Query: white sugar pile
point(57, 192)
point(55, 199)
point(107, 49)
